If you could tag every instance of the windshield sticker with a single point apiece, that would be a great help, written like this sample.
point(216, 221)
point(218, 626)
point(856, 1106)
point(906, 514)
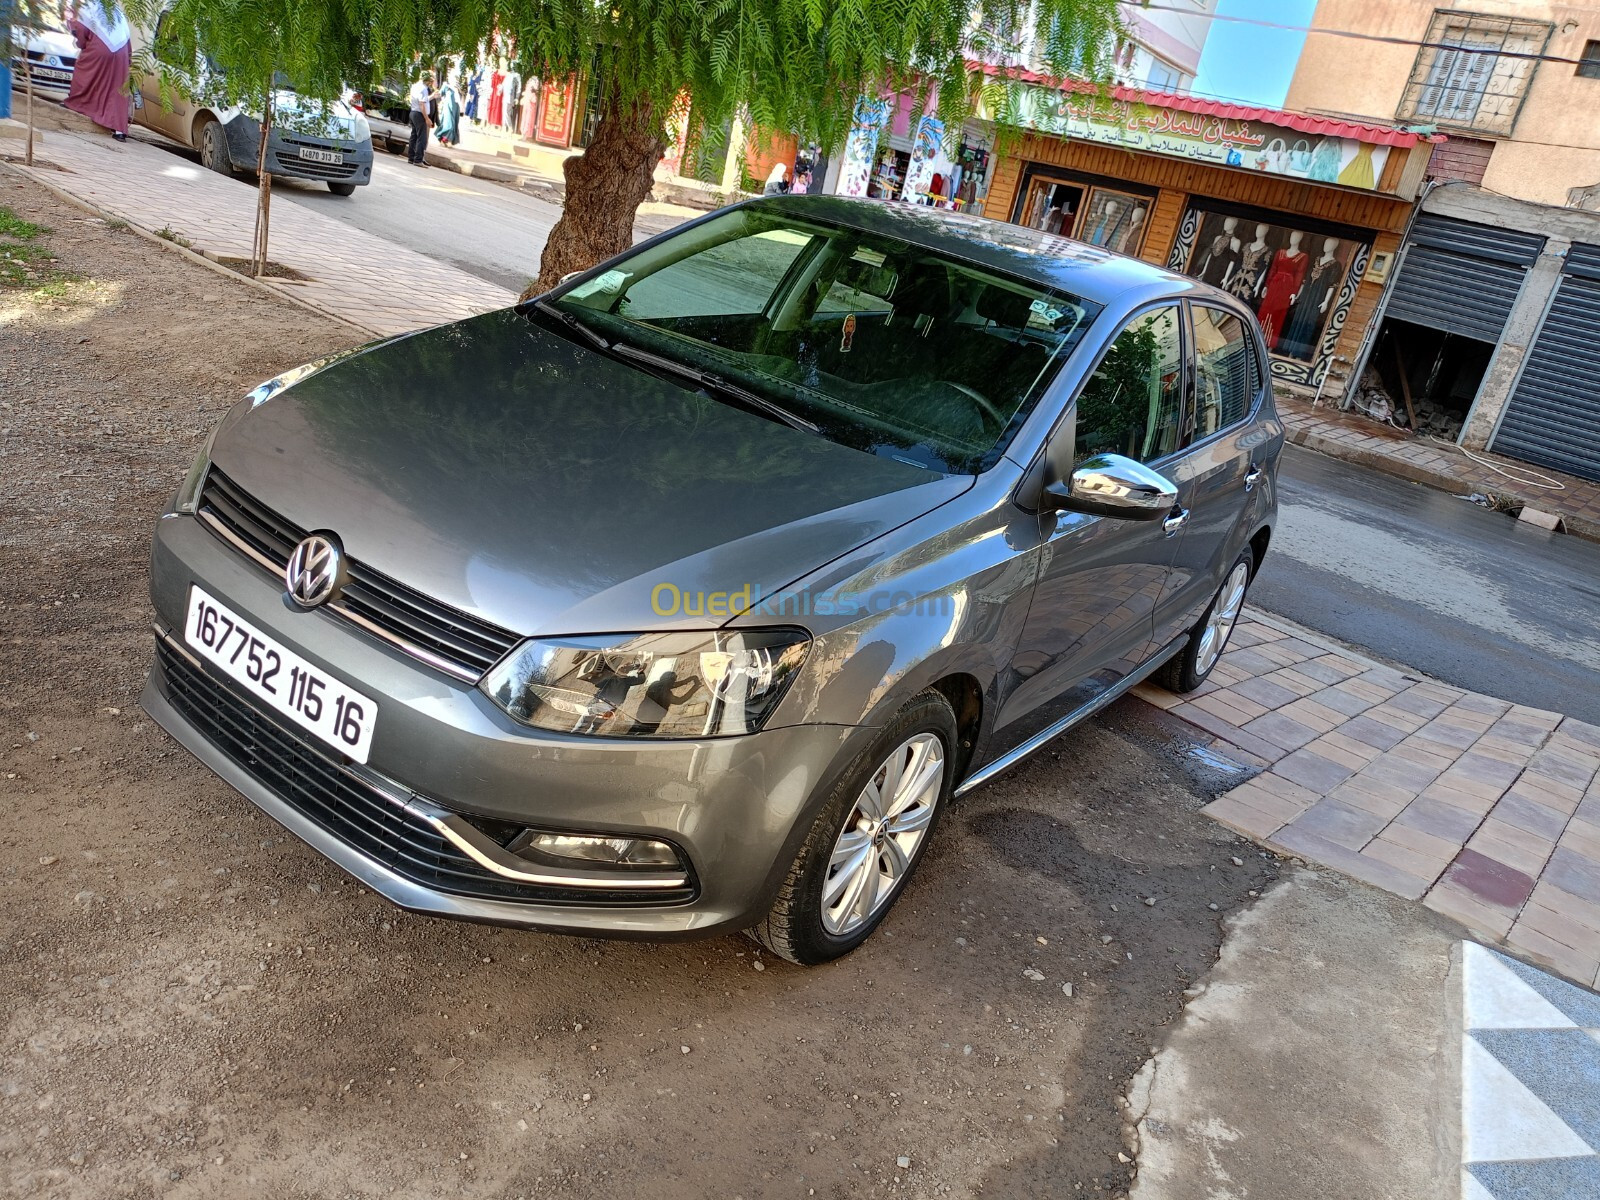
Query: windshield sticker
point(609, 281)
point(1044, 309)
point(847, 335)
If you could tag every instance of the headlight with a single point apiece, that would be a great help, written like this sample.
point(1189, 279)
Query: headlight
point(188, 497)
point(649, 684)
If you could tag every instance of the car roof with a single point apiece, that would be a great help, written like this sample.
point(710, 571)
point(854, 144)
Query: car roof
point(1074, 267)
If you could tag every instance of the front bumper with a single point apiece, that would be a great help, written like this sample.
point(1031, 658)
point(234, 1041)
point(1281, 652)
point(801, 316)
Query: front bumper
point(735, 807)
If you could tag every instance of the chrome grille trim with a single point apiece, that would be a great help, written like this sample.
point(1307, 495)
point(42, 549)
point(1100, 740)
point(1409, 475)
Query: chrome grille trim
point(463, 648)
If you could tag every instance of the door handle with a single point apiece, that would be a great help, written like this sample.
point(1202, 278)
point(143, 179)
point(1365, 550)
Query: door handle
point(1176, 521)
point(1252, 477)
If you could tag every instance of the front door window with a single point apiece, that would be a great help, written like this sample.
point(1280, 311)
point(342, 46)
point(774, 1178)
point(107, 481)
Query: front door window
point(1133, 403)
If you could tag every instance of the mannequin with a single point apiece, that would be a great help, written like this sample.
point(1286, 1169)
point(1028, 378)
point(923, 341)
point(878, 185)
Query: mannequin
point(1252, 266)
point(1312, 302)
point(1105, 226)
point(1283, 283)
point(1220, 259)
point(1127, 242)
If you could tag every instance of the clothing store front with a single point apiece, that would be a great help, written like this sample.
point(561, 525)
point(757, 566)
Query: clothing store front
point(549, 112)
point(1288, 212)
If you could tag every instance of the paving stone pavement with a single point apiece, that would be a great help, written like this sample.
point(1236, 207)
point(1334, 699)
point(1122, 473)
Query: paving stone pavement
point(383, 288)
point(1485, 811)
point(1530, 1083)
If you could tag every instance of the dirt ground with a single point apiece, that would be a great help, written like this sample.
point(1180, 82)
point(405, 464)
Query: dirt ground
point(195, 1004)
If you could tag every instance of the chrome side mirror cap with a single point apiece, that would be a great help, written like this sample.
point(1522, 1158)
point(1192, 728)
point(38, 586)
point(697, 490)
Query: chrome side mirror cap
point(1110, 485)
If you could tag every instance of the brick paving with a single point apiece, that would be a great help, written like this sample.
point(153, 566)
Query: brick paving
point(1355, 438)
point(1486, 811)
point(350, 274)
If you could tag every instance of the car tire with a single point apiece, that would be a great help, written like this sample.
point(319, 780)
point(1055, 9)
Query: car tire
point(802, 925)
point(213, 145)
point(1189, 668)
point(342, 189)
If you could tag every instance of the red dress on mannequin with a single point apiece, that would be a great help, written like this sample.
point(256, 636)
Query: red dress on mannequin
point(497, 102)
point(1283, 281)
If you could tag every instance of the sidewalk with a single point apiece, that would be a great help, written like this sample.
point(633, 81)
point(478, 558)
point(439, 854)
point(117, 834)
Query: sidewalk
point(344, 278)
point(1487, 812)
point(1358, 439)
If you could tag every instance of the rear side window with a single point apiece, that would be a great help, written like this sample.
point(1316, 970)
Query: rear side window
point(1226, 374)
point(1130, 405)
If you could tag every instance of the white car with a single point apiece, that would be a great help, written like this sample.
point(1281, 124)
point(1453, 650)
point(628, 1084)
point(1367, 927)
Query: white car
point(51, 54)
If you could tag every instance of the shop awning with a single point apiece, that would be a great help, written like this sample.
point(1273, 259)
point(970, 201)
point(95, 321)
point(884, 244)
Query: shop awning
point(1376, 135)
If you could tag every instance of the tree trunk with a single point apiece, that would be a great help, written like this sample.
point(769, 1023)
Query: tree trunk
point(263, 193)
point(605, 186)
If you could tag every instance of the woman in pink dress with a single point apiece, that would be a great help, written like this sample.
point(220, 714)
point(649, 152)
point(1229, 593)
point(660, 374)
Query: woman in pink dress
point(100, 79)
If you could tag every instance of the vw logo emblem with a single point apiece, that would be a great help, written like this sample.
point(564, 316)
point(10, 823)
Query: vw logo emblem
point(315, 571)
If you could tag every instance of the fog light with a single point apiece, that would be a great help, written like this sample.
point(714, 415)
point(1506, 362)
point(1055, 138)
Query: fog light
point(609, 851)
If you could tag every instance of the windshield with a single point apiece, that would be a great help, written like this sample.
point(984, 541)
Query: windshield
point(883, 345)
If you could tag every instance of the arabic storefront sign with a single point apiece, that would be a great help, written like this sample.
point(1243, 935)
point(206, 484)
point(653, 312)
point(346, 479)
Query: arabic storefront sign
point(1220, 141)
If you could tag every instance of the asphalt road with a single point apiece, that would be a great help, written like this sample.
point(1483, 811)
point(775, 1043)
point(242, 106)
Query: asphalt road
point(486, 229)
point(1437, 584)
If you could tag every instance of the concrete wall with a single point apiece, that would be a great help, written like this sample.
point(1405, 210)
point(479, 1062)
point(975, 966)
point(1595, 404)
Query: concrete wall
point(1163, 35)
point(1554, 145)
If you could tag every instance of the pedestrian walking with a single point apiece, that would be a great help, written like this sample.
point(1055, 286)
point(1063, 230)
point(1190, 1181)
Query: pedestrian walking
point(420, 96)
point(777, 184)
point(100, 79)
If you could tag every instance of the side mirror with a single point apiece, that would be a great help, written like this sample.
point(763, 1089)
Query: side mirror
point(1109, 485)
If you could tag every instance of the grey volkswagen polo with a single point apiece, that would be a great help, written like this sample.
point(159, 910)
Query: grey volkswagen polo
point(686, 597)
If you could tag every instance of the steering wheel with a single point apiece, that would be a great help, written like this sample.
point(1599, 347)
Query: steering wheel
point(979, 399)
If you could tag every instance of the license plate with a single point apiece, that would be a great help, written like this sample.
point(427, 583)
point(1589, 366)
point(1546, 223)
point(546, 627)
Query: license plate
point(322, 156)
point(278, 677)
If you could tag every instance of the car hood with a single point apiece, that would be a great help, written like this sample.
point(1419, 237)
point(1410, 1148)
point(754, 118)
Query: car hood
point(549, 489)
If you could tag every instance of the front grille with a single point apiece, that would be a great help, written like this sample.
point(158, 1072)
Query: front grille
point(319, 788)
point(465, 645)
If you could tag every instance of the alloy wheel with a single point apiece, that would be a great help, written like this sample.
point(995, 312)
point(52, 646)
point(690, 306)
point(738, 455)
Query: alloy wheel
point(1224, 614)
point(882, 834)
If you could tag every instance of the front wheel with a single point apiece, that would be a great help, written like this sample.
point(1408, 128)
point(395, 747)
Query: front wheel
point(342, 189)
point(867, 840)
point(1189, 668)
point(214, 148)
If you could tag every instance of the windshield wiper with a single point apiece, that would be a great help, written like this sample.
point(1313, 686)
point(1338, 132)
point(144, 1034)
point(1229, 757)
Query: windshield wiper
point(572, 323)
point(711, 382)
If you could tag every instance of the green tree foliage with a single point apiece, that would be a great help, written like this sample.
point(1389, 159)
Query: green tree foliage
point(796, 66)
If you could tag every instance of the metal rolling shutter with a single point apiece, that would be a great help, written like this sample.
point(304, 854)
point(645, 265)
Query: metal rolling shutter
point(1461, 278)
point(1553, 418)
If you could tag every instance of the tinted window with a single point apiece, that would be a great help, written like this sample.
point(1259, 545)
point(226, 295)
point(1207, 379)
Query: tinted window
point(1131, 404)
point(885, 345)
point(1225, 370)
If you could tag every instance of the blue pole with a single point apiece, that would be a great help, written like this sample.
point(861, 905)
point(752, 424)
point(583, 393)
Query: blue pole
point(5, 60)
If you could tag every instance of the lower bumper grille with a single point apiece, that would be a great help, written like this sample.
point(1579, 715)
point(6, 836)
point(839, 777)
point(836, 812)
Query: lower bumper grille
point(319, 788)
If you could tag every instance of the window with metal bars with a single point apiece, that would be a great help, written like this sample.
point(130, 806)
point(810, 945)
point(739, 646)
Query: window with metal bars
point(1473, 71)
point(1589, 60)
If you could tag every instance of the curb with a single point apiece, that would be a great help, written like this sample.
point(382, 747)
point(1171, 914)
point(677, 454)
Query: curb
point(1578, 526)
point(193, 256)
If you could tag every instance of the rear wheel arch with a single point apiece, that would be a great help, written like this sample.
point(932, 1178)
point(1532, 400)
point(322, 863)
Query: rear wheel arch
point(1258, 546)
